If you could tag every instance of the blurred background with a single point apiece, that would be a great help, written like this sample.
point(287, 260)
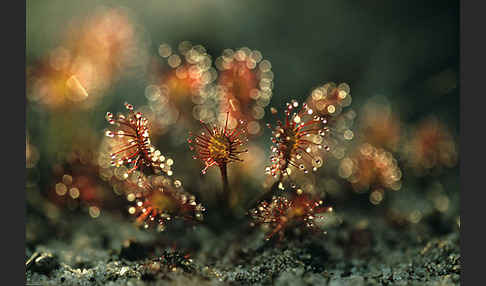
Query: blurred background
point(396, 148)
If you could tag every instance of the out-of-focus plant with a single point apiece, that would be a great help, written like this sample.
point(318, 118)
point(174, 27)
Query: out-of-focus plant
point(431, 147)
point(370, 167)
point(95, 53)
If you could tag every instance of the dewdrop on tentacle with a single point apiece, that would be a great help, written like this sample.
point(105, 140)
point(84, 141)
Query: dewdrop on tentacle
point(298, 142)
point(131, 142)
point(282, 213)
point(160, 200)
point(219, 146)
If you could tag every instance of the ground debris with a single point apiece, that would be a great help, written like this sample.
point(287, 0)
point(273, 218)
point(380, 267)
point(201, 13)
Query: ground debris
point(377, 254)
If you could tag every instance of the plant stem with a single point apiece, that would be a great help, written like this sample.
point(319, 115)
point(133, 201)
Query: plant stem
point(226, 190)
